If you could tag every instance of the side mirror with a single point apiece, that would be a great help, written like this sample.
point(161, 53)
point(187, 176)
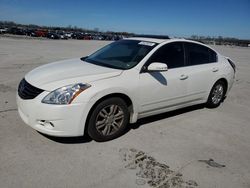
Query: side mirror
point(157, 67)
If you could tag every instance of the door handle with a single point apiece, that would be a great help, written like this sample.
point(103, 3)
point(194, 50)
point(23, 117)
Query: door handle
point(215, 69)
point(183, 77)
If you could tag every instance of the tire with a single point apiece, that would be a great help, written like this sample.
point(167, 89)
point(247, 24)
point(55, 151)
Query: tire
point(108, 120)
point(216, 95)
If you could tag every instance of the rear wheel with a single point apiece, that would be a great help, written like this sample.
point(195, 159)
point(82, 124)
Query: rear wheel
point(216, 94)
point(108, 120)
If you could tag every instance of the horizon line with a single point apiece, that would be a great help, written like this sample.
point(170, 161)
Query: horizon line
point(102, 31)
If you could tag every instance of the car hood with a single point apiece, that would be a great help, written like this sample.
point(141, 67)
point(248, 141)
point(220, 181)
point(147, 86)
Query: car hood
point(58, 74)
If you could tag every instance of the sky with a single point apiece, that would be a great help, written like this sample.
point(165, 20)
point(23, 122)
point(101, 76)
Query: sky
point(182, 18)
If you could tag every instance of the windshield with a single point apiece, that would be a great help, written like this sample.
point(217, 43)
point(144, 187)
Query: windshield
point(123, 54)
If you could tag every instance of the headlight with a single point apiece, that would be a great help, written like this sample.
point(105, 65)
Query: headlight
point(65, 95)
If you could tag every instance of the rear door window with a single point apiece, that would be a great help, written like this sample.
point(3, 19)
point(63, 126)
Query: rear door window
point(198, 54)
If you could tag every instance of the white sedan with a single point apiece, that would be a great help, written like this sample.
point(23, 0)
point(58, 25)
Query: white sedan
point(102, 93)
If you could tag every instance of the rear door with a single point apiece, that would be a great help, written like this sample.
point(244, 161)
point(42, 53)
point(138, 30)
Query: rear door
point(202, 67)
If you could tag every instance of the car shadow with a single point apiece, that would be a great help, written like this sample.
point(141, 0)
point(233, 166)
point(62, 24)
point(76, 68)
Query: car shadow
point(166, 115)
point(159, 77)
point(139, 123)
point(69, 140)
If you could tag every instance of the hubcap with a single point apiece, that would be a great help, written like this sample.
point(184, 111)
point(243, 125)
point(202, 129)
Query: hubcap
point(217, 94)
point(109, 120)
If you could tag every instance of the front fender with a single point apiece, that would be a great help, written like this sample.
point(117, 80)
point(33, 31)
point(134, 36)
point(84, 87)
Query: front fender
point(109, 91)
point(91, 100)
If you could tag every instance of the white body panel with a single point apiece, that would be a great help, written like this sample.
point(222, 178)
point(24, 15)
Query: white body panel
point(159, 90)
point(62, 73)
point(150, 93)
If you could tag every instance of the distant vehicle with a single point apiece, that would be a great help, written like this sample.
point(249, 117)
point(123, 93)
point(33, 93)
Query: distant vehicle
point(17, 31)
point(74, 35)
point(53, 36)
point(63, 37)
point(68, 35)
point(3, 31)
point(77, 35)
point(31, 32)
point(97, 37)
point(129, 79)
point(41, 33)
point(87, 37)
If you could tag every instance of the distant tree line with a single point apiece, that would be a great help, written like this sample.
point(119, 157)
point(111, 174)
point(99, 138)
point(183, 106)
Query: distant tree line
point(204, 39)
point(221, 40)
point(11, 24)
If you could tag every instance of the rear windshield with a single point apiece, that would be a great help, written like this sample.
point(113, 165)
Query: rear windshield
point(123, 54)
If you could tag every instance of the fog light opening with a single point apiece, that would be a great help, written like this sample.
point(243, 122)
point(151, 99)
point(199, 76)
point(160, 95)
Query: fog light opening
point(47, 124)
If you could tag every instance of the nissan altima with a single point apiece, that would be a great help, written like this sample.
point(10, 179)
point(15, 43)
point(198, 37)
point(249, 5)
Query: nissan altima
point(101, 94)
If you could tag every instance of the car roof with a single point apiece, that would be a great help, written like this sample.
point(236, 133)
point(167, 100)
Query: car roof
point(148, 39)
point(158, 40)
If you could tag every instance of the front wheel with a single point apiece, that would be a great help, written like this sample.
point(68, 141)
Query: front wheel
point(108, 120)
point(216, 95)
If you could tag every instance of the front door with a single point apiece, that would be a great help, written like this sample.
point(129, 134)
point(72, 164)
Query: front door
point(159, 90)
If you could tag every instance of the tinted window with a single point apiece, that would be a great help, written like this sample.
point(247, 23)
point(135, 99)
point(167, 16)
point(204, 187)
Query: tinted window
point(213, 56)
point(198, 54)
point(172, 54)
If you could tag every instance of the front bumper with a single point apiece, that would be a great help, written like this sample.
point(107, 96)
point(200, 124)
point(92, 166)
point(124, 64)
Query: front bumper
point(55, 120)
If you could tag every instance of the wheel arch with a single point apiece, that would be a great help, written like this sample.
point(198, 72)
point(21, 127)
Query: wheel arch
point(123, 96)
point(225, 82)
point(223, 79)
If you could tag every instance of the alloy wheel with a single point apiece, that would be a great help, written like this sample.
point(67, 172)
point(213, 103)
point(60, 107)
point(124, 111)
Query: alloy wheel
point(109, 120)
point(217, 94)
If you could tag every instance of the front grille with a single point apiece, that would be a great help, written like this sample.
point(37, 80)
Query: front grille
point(27, 91)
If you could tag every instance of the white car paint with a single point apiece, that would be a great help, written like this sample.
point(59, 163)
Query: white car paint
point(151, 93)
point(53, 75)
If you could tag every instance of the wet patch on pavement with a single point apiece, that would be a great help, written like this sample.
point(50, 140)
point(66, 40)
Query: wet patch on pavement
point(152, 172)
point(212, 163)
